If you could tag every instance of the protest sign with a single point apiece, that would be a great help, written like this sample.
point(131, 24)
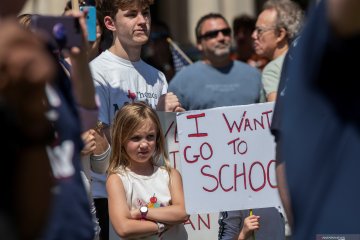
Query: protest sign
point(227, 158)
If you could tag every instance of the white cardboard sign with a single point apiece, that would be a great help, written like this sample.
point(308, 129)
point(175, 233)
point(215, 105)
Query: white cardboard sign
point(227, 158)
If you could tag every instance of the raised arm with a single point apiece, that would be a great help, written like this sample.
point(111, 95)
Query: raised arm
point(83, 86)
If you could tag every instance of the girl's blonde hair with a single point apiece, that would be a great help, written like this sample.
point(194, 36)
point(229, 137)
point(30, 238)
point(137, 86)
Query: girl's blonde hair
point(127, 120)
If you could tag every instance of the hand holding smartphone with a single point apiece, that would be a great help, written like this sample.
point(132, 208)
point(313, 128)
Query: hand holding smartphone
point(90, 14)
point(63, 32)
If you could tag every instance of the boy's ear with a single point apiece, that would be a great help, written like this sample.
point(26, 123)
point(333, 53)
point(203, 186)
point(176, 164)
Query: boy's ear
point(109, 23)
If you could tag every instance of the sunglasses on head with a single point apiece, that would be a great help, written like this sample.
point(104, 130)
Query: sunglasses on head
point(213, 34)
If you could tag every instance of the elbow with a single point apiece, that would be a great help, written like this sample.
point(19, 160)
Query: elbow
point(183, 217)
point(121, 232)
point(121, 227)
point(179, 217)
point(186, 217)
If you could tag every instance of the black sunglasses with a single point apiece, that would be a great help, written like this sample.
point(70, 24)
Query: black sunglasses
point(213, 34)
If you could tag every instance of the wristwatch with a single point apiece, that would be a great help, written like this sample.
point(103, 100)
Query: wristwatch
point(143, 211)
point(161, 227)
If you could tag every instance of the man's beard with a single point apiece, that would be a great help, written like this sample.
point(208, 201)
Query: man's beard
point(222, 49)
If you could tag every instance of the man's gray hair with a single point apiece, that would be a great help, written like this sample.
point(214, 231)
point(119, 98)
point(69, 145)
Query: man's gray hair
point(289, 16)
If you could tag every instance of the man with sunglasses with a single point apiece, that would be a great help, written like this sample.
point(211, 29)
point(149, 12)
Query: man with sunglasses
point(277, 25)
point(223, 82)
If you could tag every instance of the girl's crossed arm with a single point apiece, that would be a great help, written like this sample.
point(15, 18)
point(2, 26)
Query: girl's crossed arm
point(173, 214)
point(124, 224)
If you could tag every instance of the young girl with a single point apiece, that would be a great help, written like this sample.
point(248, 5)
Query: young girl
point(145, 195)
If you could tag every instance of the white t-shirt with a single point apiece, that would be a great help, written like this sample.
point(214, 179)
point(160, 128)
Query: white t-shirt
point(119, 81)
point(144, 190)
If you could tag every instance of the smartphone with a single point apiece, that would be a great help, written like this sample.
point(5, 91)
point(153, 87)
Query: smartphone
point(90, 21)
point(62, 32)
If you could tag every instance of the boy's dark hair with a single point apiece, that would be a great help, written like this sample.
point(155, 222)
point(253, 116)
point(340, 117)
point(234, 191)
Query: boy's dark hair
point(111, 7)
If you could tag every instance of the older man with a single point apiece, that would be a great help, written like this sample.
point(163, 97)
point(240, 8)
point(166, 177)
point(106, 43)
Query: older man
point(276, 27)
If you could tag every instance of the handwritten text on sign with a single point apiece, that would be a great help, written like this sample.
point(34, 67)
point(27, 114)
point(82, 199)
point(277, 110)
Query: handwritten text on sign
point(227, 158)
point(199, 226)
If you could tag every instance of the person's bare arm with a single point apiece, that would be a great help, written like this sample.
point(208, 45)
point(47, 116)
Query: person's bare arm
point(83, 85)
point(173, 214)
point(271, 97)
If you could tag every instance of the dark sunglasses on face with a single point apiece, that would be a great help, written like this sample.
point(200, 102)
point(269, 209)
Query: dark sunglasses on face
point(213, 34)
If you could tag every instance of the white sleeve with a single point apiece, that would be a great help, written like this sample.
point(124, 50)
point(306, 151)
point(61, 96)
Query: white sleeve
point(100, 163)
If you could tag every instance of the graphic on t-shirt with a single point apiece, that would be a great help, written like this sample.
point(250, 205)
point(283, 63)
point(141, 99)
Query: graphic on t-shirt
point(141, 96)
point(131, 95)
point(147, 97)
point(153, 202)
